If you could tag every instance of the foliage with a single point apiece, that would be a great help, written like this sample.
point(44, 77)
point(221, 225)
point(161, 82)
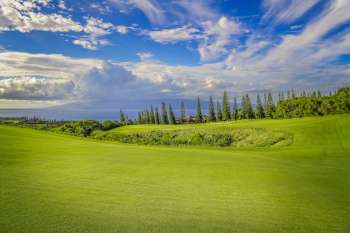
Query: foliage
point(182, 112)
point(315, 105)
point(108, 125)
point(199, 115)
point(79, 128)
point(226, 114)
point(211, 115)
point(220, 136)
point(172, 119)
point(218, 111)
point(164, 119)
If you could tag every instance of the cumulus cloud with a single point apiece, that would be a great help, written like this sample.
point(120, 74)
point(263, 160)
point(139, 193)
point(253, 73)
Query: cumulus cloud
point(57, 77)
point(22, 16)
point(113, 81)
point(95, 28)
point(25, 16)
point(34, 88)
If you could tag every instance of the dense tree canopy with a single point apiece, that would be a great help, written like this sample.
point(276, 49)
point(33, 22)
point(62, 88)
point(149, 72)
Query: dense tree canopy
point(288, 105)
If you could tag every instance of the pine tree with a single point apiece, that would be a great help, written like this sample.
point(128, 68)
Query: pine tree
point(259, 110)
point(152, 117)
point(247, 109)
point(218, 111)
point(211, 115)
point(164, 114)
point(282, 96)
point(319, 93)
point(183, 113)
point(139, 118)
point(243, 110)
point(156, 116)
point(270, 107)
point(148, 120)
point(122, 116)
point(235, 110)
point(172, 119)
point(226, 114)
point(293, 94)
point(199, 116)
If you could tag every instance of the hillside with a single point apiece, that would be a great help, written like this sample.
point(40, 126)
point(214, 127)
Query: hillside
point(73, 184)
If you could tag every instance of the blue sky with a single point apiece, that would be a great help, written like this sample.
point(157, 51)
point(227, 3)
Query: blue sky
point(55, 52)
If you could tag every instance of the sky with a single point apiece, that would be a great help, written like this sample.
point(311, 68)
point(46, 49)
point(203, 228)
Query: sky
point(58, 52)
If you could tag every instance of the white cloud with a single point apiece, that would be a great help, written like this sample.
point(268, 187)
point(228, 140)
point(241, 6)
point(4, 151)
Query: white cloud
point(90, 43)
point(45, 77)
point(34, 88)
point(214, 37)
point(62, 5)
point(144, 56)
point(151, 8)
point(14, 64)
point(218, 38)
point(95, 28)
point(174, 35)
point(286, 11)
point(122, 29)
point(21, 16)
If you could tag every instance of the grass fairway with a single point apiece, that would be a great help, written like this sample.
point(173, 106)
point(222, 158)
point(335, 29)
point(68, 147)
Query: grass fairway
point(57, 183)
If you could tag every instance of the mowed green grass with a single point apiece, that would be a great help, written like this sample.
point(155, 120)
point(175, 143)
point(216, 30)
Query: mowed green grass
point(57, 183)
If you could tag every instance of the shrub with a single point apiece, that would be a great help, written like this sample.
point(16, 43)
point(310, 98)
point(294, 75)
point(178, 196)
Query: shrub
point(222, 137)
point(108, 125)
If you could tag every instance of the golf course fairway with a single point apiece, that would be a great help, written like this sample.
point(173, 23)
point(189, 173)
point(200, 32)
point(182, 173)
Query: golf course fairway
point(57, 183)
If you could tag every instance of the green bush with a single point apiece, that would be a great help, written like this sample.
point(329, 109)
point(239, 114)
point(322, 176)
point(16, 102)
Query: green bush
point(220, 137)
point(79, 128)
point(108, 125)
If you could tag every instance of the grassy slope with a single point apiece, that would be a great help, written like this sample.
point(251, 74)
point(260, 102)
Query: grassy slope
point(56, 183)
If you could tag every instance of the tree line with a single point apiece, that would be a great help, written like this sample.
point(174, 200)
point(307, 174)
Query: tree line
point(287, 105)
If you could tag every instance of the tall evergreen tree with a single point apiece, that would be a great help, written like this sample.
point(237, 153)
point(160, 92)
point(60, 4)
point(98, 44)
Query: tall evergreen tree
point(243, 112)
point(122, 117)
point(165, 119)
point(152, 117)
point(218, 111)
point(293, 94)
point(247, 109)
point(270, 107)
point(148, 120)
point(226, 114)
point(182, 112)
point(172, 119)
point(211, 115)
point(199, 116)
point(139, 118)
point(156, 116)
point(259, 110)
point(235, 110)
